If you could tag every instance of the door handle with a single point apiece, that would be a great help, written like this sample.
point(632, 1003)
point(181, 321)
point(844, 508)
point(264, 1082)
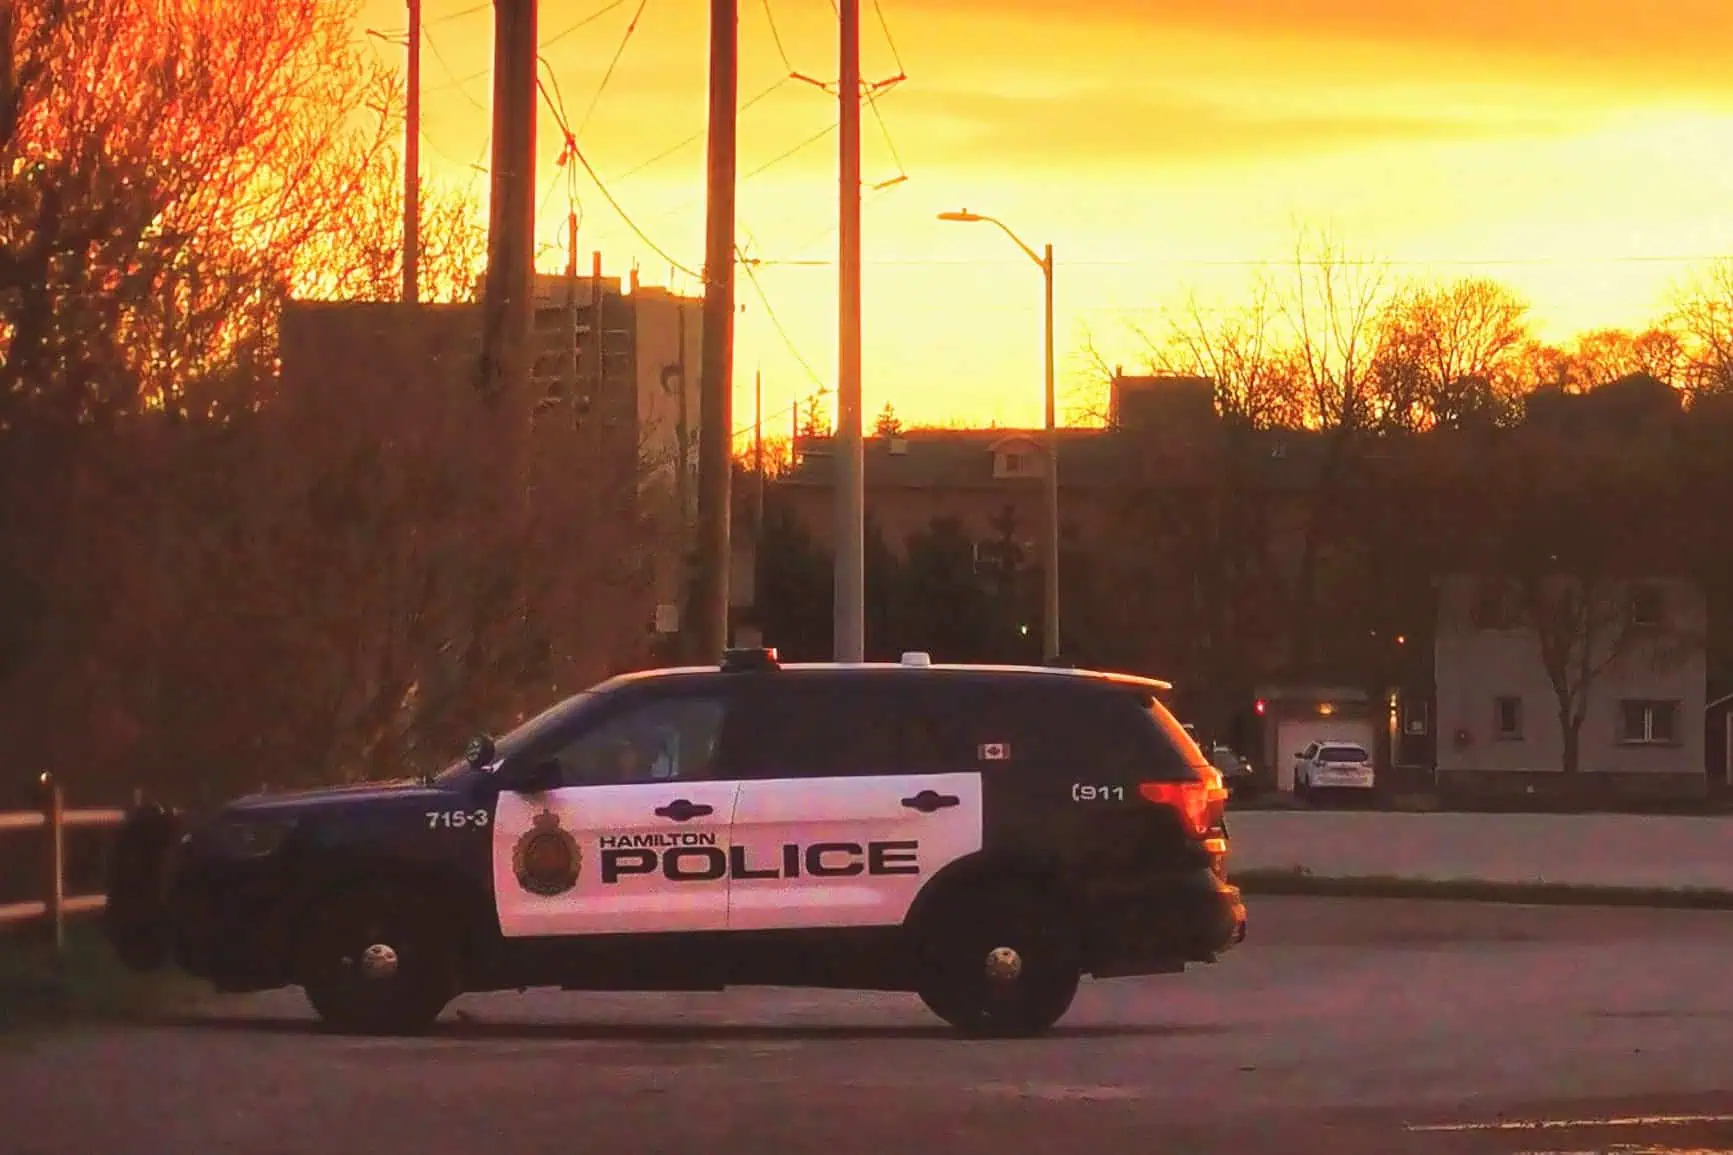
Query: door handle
point(928, 801)
point(681, 810)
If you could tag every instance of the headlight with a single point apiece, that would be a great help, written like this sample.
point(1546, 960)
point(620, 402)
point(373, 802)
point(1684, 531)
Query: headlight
point(249, 838)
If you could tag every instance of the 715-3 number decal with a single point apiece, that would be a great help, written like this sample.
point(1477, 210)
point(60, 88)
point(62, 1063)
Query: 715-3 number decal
point(457, 819)
point(1083, 792)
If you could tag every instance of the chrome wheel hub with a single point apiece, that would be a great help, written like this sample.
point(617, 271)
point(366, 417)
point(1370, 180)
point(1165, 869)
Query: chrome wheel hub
point(1004, 964)
point(378, 961)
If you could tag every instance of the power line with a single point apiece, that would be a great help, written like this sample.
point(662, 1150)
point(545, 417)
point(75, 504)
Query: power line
point(548, 43)
point(461, 13)
point(776, 322)
point(1278, 262)
point(885, 128)
point(585, 22)
point(428, 139)
point(890, 41)
point(830, 229)
point(601, 186)
point(788, 152)
point(445, 67)
point(613, 64)
point(776, 37)
point(785, 154)
point(695, 137)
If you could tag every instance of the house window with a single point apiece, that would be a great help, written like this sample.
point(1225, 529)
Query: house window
point(1415, 719)
point(1507, 719)
point(1013, 462)
point(1492, 607)
point(1648, 606)
point(1649, 723)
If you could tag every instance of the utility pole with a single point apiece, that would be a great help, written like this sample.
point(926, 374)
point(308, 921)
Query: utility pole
point(598, 330)
point(850, 580)
point(571, 369)
point(507, 306)
point(412, 164)
point(716, 362)
point(1050, 583)
point(758, 449)
point(683, 428)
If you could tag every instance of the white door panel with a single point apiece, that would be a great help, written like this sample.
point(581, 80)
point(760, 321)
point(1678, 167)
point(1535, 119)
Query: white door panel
point(845, 852)
point(636, 871)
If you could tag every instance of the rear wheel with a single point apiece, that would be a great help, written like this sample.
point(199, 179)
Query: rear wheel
point(378, 961)
point(1000, 962)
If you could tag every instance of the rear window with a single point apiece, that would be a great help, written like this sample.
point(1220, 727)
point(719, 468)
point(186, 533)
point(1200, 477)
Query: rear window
point(1178, 735)
point(1054, 724)
point(1342, 754)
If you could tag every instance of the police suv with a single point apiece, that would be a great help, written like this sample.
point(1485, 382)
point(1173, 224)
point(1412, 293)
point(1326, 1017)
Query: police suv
point(980, 835)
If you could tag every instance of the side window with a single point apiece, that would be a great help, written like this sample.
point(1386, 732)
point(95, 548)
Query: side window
point(661, 739)
point(1046, 728)
point(1310, 752)
point(816, 728)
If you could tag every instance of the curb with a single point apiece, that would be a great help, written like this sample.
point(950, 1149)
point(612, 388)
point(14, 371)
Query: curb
point(1300, 882)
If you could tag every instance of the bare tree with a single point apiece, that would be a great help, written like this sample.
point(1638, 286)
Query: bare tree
point(162, 189)
point(364, 261)
point(1447, 355)
point(1568, 523)
point(1243, 352)
point(1607, 355)
point(1703, 316)
point(1333, 306)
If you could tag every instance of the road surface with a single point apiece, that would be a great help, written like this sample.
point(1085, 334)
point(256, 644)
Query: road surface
point(1348, 1027)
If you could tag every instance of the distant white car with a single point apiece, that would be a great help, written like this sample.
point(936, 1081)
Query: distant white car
point(1332, 766)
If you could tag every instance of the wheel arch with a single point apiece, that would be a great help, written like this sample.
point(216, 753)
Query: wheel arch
point(468, 901)
point(1020, 866)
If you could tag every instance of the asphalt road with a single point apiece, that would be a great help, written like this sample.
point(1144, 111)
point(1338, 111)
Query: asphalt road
point(1353, 1028)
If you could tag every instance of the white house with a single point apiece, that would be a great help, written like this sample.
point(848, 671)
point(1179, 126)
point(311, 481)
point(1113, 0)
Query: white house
point(1627, 654)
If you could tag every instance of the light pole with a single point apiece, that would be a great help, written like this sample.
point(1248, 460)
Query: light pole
point(1050, 586)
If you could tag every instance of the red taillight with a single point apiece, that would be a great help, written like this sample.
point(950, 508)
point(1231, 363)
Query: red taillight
point(1200, 805)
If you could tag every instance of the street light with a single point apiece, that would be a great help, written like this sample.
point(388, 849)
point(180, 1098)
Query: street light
point(1044, 261)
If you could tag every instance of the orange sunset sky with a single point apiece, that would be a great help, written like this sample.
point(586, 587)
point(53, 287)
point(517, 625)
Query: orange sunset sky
point(1579, 150)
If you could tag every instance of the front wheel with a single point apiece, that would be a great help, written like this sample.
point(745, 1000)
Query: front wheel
point(378, 961)
point(999, 962)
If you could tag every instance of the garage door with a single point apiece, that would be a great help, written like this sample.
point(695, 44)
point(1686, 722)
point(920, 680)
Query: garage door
point(1295, 734)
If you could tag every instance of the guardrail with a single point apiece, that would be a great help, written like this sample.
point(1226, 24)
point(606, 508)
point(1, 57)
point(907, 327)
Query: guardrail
point(54, 820)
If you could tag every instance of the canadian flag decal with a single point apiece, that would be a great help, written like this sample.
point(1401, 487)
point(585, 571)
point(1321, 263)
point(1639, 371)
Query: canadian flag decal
point(995, 751)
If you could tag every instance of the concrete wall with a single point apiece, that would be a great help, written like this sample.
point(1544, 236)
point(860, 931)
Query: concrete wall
point(1582, 849)
point(1475, 667)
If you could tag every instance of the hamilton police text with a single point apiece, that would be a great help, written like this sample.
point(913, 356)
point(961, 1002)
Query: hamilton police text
point(696, 857)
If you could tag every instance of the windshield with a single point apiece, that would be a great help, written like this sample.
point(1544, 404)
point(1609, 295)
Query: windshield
point(527, 733)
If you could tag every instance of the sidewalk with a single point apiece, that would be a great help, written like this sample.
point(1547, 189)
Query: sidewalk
point(1570, 849)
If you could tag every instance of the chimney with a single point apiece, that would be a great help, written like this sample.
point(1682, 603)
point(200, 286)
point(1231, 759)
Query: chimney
point(633, 279)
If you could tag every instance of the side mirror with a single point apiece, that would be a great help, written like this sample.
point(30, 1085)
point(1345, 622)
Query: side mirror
point(529, 777)
point(480, 751)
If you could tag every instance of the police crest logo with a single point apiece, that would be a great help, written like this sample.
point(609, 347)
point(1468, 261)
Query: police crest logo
point(547, 858)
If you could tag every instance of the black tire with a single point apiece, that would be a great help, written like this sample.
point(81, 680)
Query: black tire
point(976, 922)
point(342, 931)
point(135, 920)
